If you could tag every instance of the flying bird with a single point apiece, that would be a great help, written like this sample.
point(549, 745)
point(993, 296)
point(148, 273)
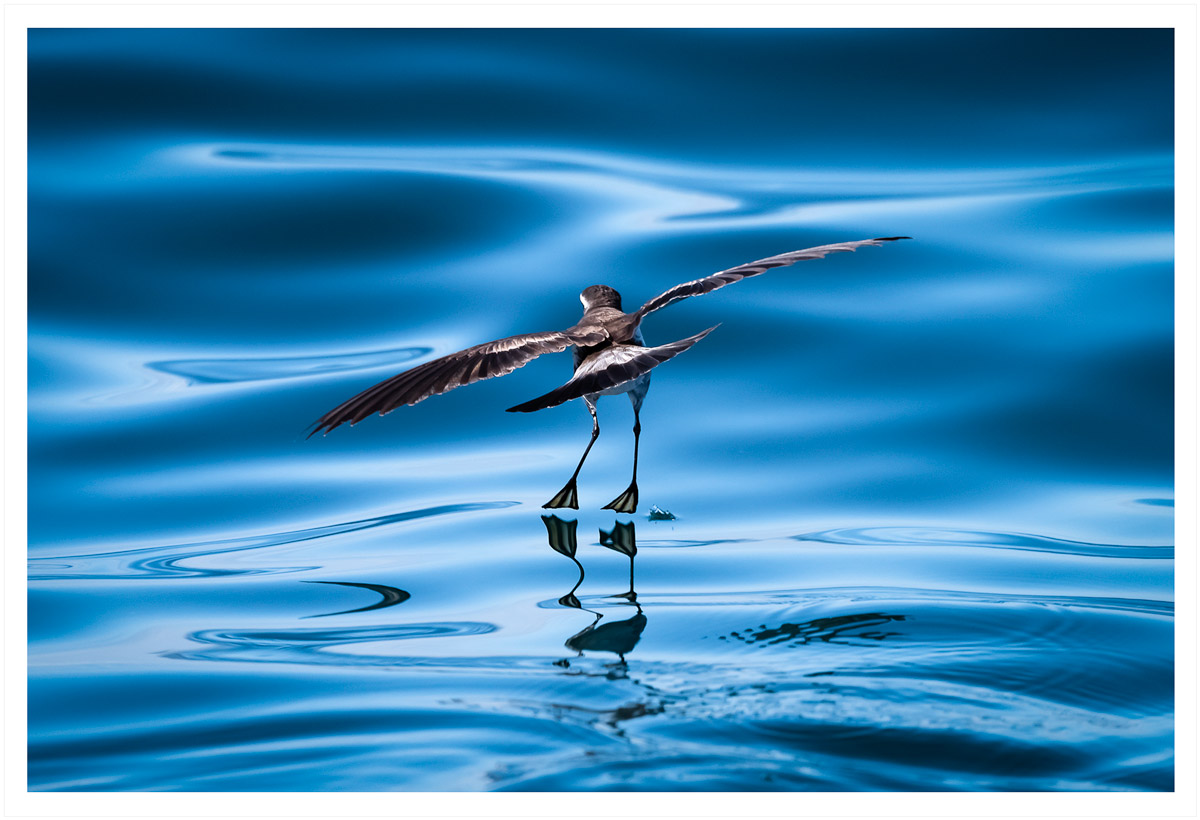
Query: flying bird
point(610, 358)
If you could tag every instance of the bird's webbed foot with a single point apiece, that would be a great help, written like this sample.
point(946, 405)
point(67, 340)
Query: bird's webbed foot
point(568, 496)
point(626, 502)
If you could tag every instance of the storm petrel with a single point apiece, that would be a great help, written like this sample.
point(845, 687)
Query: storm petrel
point(610, 358)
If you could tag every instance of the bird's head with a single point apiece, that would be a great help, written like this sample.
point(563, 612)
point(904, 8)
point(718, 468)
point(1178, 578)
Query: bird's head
point(600, 296)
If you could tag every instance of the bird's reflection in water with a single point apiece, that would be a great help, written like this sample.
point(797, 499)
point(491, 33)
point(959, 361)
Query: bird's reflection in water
point(617, 637)
point(623, 541)
point(563, 540)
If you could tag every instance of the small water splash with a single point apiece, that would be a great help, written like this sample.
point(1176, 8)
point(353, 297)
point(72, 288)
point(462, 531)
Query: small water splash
point(658, 514)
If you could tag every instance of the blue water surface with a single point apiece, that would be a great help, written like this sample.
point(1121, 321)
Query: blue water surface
point(921, 493)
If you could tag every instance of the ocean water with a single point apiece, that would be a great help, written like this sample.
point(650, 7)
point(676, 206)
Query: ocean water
point(918, 529)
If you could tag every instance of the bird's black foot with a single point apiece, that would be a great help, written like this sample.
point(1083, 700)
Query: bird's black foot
point(566, 497)
point(626, 502)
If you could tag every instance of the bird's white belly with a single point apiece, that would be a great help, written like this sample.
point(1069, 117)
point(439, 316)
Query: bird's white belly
point(638, 385)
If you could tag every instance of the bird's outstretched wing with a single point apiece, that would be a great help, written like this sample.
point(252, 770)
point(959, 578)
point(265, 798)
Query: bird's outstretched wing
point(610, 367)
point(728, 277)
point(471, 365)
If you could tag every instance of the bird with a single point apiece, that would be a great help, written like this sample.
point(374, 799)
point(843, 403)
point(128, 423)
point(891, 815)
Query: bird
point(610, 358)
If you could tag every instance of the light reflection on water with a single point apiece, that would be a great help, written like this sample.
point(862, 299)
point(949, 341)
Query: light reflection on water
point(922, 494)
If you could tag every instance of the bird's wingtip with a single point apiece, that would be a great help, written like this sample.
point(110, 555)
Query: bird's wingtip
point(889, 238)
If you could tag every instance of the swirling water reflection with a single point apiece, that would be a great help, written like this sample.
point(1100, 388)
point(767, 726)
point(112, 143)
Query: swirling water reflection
point(914, 509)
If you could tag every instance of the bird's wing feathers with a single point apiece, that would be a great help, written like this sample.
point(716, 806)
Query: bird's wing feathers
point(474, 364)
point(611, 367)
point(728, 277)
point(503, 356)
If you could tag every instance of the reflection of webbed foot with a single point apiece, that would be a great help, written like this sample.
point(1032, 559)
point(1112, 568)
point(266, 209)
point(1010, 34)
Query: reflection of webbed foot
point(626, 502)
point(566, 497)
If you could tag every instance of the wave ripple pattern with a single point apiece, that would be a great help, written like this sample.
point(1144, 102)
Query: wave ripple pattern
point(914, 505)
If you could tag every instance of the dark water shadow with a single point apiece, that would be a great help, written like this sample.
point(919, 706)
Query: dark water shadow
point(391, 597)
point(841, 629)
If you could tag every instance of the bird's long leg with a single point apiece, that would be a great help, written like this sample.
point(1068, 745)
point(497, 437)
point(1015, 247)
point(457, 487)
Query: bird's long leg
point(627, 501)
point(568, 496)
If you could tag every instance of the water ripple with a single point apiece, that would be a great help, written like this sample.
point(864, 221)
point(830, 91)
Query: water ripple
point(572, 167)
point(312, 646)
point(661, 195)
point(882, 536)
point(945, 536)
point(924, 542)
point(865, 594)
point(212, 371)
point(168, 561)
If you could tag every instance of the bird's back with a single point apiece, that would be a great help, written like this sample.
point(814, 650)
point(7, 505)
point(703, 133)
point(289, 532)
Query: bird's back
point(621, 327)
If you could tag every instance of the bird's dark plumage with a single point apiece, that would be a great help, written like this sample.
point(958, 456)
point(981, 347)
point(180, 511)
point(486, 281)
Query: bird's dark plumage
point(708, 284)
point(603, 324)
point(613, 369)
point(610, 358)
point(464, 367)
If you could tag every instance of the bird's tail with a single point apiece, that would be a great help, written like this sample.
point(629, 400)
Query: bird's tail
point(612, 374)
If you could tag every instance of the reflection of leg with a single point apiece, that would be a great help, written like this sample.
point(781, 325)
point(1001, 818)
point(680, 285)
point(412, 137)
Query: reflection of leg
point(563, 540)
point(627, 501)
point(569, 599)
point(568, 496)
point(624, 540)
